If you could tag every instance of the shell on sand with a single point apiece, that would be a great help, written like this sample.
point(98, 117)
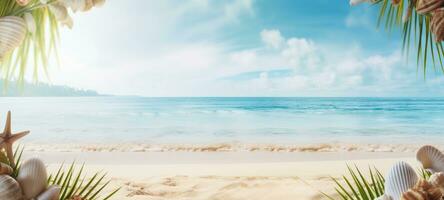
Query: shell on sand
point(52, 193)
point(9, 188)
point(431, 158)
point(12, 33)
point(32, 178)
point(400, 179)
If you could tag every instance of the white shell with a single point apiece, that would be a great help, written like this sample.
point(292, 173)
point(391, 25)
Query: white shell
point(59, 11)
point(32, 178)
point(52, 193)
point(431, 158)
point(384, 197)
point(400, 179)
point(9, 189)
point(12, 33)
point(5, 169)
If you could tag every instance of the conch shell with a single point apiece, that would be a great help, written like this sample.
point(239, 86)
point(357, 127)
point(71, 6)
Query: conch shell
point(427, 6)
point(32, 178)
point(423, 190)
point(400, 178)
point(9, 188)
point(12, 33)
point(437, 24)
point(5, 169)
point(431, 158)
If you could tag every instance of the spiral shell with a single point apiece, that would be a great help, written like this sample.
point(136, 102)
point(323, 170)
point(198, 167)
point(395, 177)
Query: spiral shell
point(12, 33)
point(9, 189)
point(437, 24)
point(5, 169)
point(400, 179)
point(431, 158)
point(52, 193)
point(32, 178)
point(427, 6)
point(423, 190)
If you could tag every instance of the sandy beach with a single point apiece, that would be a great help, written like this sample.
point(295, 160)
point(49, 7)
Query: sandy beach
point(179, 175)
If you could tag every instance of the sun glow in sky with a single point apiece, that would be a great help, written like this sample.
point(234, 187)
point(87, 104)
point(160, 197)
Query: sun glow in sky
point(237, 48)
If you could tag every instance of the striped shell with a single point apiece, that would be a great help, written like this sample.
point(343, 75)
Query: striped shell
point(52, 193)
point(5, 169)
point(423, 190)
point(400, 179)
point(414, 194)
point(437, 24)
point(32, 178)
point(427, 6)
point(9, 189)
point(431, 158)
point(12, 33)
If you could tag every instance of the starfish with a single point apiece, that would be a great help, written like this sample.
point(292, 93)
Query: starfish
point(7, 139)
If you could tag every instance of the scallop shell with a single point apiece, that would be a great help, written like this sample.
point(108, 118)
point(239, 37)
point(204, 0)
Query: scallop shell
point(400, 179)
point(9, 189)
point(12, 33)
point(431, 158)
point(5, 169)
point(32, 178)
point(427, 6)
point(52, 193)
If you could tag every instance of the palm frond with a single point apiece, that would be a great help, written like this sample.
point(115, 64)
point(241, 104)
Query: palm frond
point(357, 186)
point(73, 180)
point(38, 48)
point(428, 52)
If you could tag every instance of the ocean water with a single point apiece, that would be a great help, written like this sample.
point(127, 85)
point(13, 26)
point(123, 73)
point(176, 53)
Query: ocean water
point(215, 120)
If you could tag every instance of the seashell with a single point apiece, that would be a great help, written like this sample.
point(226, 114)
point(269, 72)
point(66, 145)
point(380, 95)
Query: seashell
point(427, 6)
point(12, 33)
point(22, 2)
point(5, 169)
point(32, 178)
point(9, 188)
point(384, 197)
point(414, 194)
point(400, 179)
point(437, 180)
point(432, 192)
point(437, 24)
point(395, 2)
point(98, 3)
point(431, 158)
point(52, 193)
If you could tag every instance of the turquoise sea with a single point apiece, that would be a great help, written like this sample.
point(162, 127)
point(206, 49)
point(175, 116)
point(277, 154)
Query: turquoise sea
point(204, 120)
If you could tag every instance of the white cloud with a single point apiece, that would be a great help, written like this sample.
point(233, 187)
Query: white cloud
point(272, 38)
point(153, 52)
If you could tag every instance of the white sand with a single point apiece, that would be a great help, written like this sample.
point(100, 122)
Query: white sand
point(224, 176)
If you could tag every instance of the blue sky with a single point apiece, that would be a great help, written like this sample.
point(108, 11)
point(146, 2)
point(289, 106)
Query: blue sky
point(237, 48)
